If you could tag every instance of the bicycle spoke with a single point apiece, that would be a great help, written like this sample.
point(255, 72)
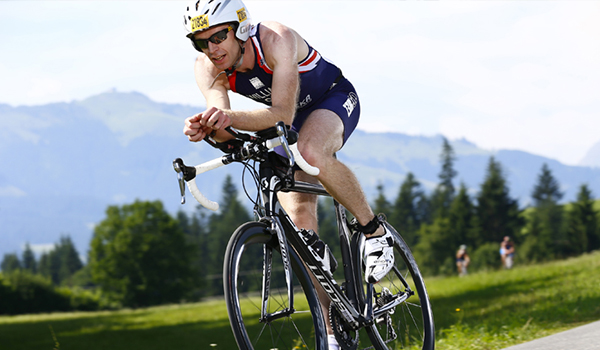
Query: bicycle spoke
point(278, 327)
point(404, 319)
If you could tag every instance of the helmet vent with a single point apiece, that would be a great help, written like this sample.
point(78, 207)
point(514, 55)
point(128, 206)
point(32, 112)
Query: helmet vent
point(216, 8)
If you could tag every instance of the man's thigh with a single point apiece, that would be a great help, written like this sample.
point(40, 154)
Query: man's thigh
point(323, 130)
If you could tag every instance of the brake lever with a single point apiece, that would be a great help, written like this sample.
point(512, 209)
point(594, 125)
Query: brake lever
point(184, 173)
point(282, 132)
point(179, 171)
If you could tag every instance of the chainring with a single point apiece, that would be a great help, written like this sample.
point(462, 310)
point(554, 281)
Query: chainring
point(346, 336)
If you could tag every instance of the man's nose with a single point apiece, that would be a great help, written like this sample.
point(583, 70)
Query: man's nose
point(212, 46)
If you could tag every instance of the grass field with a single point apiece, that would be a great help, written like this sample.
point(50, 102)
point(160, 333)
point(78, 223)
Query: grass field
point(480, 311)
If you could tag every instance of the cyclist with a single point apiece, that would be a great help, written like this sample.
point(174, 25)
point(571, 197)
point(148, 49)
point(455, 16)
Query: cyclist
point(272, 64)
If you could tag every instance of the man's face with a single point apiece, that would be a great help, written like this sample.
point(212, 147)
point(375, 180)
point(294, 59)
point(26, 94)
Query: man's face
point(223, 54)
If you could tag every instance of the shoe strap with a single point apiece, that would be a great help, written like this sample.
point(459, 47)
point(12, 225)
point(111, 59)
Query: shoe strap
point(369, 228)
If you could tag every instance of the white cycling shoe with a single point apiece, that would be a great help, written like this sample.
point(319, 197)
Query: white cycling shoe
point(379, 256)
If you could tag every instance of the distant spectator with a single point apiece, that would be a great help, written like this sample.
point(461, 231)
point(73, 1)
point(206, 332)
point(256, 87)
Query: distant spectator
point(462, 260)
point(507, 252)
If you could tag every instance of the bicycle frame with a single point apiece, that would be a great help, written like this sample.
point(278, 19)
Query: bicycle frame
point(354, 306)
point(345, 302)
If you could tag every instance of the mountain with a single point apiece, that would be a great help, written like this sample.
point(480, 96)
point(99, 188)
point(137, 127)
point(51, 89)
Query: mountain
point(592, 157)
point(62, 164)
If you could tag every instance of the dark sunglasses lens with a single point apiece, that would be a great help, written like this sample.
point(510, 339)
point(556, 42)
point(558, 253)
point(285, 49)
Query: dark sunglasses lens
point(200, 44)
point(219, 37)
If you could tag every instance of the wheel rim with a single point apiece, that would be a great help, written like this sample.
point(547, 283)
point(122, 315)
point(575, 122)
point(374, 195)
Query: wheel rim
point(290, 330)
point(409, 324)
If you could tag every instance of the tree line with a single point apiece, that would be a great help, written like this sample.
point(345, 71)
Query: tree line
point(140, 255)
point(436, 224)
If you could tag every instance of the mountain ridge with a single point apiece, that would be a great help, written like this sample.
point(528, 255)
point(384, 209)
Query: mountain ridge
point(64, 163)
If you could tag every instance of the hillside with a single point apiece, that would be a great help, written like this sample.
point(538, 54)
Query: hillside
point(64, 163)
point(488, 311)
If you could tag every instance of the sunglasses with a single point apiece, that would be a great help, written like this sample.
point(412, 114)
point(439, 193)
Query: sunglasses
point(217, 38)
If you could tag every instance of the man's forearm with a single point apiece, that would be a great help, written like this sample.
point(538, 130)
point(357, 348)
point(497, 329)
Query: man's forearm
point(260, 119)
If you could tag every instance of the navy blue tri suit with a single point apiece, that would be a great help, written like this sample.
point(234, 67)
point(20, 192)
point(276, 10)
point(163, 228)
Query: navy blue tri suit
point(322, 86)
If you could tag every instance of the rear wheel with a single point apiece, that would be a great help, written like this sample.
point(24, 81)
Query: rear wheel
point(253, 263)
point(405, 319)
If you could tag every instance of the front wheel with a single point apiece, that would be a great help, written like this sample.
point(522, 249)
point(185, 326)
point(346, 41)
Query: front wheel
point(404, 319)
point(257, 298)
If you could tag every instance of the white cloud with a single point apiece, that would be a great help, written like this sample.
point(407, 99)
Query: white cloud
point(11, 191)
point(39, 249)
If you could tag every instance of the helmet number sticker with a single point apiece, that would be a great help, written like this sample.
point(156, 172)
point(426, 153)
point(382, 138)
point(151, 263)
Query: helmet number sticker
point(199, 22)
point(241, 14)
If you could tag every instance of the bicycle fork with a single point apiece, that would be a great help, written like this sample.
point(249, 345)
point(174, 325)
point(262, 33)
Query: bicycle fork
point(268, 259)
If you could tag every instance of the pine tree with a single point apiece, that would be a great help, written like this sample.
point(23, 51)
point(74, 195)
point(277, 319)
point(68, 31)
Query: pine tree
point(195, 227)
point(440, 240)
point(497, 213)
point(70, 262)
point(448, 173)
point(434, 241)
point(461, 218)
point(382, 205)
point(546, 238)
point(50, 265)
point(583, 229)
point(410, 209)
point(29, 262)
point(547, 189)
point(10, 263)
point(444, 192)
point(61, 262)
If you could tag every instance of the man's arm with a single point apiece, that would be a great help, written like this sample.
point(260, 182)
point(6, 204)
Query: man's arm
point(280, 47)
point(214, 88)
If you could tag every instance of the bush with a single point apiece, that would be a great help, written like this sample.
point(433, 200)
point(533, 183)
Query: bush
point(22, 292)
point(486, 257)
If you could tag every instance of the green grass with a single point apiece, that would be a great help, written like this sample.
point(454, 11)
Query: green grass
point(499, 309)
point(480, 311)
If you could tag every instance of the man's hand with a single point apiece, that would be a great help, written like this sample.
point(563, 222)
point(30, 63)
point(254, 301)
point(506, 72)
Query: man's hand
point(202, 124)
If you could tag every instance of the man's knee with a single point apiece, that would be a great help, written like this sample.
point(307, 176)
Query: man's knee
point(315, 154)
point(321, 135)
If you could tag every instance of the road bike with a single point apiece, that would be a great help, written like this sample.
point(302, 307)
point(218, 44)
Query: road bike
point(271, 266)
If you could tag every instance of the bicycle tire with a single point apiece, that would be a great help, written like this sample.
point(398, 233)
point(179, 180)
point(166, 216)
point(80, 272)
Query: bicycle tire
point(242, 275)
point(410, 324)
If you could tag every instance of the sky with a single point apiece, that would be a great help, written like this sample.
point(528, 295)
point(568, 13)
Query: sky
point(519, 75)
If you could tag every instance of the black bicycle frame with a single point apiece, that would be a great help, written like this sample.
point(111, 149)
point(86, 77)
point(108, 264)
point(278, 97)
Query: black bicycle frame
point(273, 180)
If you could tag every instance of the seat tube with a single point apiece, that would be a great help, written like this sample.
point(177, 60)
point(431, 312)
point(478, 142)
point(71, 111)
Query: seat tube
point(345, 247)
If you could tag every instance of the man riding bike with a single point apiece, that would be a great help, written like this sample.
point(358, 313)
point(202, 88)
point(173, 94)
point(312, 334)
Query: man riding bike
point(272, 64)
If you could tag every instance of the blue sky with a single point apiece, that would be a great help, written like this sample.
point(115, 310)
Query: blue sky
point(502, 74)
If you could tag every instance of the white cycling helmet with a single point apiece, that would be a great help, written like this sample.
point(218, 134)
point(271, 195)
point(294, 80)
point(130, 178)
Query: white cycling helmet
point(203, 14)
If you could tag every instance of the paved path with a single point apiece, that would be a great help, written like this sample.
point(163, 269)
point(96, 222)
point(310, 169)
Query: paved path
point(581, 338)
